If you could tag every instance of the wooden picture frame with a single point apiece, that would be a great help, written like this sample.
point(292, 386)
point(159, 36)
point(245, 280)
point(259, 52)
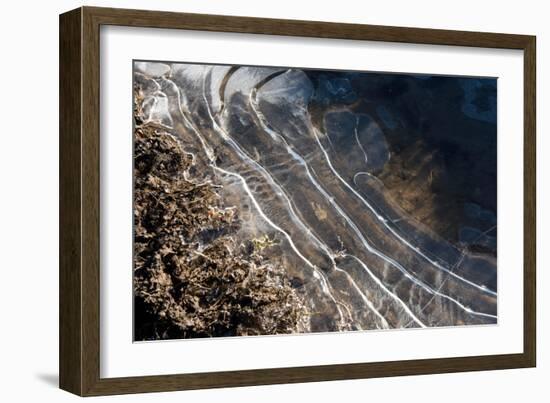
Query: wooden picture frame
point(79, 201)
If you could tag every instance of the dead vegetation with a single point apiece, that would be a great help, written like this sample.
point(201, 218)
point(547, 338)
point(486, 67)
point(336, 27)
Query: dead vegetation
point(191, 277)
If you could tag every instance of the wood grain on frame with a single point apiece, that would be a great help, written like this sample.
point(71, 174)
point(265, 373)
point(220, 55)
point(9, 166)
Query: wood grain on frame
point(79, 200)
point(70, 319)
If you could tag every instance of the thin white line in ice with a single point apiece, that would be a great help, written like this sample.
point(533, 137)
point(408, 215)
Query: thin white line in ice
point(246, 188)
point(264, 216)
point(205, 146)
point(457, 264)
point(302, 162)
point(210, 155)
point(357, 139)
point(316, 272)
point(388, 259)
point(367, 301)
point(416, 250)
point(407, 243)
point(381, 284)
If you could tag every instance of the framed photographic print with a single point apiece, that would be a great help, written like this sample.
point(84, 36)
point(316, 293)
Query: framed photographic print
point(250, 201)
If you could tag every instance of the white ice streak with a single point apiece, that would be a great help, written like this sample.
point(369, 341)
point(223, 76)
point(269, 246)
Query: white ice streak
point(245, 79)
point(391, 294)
point(268, 220)
point(371, 176)
point(277, 138)
point(296, 90)
point(351, 223)
point(207, 149)
point(359, 142)
point(321, 278)
point(456, 265)
point(395, 233)
point(157, 106)
point(382, 255)
point(246, 158)
point(297, 157)
point(217, 76)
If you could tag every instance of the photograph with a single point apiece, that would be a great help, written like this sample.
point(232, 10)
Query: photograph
point(288, 200)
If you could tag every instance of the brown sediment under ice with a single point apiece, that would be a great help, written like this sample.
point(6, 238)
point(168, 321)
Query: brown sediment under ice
point(191, 277)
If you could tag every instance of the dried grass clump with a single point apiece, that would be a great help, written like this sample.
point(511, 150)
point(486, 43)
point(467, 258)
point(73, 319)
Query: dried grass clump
point(191, 278)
